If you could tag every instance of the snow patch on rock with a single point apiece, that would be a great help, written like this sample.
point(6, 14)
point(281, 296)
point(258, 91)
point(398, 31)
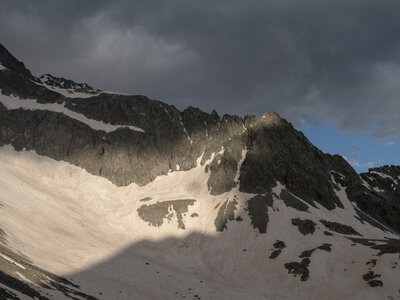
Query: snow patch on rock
point(13, 102)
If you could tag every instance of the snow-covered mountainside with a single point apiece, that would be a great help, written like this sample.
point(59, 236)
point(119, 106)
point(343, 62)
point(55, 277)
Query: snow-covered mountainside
point(122, 197)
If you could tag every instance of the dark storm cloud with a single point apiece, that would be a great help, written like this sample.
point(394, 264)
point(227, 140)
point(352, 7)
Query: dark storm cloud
point(328, 60)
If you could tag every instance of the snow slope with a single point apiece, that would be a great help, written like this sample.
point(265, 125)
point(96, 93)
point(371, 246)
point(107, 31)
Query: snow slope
point(84, 228)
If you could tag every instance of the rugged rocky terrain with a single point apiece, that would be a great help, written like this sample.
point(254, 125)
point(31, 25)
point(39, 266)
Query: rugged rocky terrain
point(119, 196)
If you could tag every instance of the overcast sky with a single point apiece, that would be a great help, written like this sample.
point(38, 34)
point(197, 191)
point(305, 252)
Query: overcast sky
point(311, 61)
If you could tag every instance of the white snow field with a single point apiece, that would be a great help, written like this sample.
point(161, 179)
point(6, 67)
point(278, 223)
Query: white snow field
point(14, 102)
point(86, 229)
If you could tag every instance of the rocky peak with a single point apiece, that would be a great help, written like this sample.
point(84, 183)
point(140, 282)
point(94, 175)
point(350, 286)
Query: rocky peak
point(62, 83)
point(8, 61)
point(267, 120)
point(271, 118)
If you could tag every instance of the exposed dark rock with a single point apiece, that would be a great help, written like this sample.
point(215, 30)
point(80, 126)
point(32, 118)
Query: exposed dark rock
point(307, 253)
point(370, 278)
point(66, 84)
point(384, 246)
point(258, 211)
point(364, 218)
point(155, 214)
point(223, 173)
point(339, 228)
point(305, 226)
point(372, 262)
point(375, 283)
point(382, 206)
point(225, 213)
point(39, 277)
point(299, 268)
point(13, 64)
point(20, 286)
point(390, 246)
point(278, 245)
point(277, 152)
point(275, 253)
point(292, 201)
point(7, 295)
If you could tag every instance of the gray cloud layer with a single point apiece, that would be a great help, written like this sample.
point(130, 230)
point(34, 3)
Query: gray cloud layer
point(333, 60)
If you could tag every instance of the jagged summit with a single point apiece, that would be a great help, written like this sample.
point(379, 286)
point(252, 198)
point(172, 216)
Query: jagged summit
point(64, 83)
point(7, 60)
point(62, 86)
point(67, 87)
point(272, 118)
point(129, 193)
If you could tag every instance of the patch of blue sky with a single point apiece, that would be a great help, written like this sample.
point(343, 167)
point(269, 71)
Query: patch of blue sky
point(361, 150)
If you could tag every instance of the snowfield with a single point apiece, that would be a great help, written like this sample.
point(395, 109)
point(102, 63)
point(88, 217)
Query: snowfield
point(86, 229)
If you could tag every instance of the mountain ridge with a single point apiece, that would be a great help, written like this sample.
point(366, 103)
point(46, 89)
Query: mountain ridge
point(170, 140)
point(121, 169)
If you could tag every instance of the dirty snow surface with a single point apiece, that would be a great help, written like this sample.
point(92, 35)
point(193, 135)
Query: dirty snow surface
point(171, 239)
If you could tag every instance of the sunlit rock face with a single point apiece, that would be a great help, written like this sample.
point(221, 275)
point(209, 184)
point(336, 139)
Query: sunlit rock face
point(110, 196)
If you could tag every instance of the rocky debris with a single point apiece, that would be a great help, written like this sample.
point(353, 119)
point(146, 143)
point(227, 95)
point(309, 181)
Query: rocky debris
point(305, 226)
point(258, 211)
point(339, 228)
